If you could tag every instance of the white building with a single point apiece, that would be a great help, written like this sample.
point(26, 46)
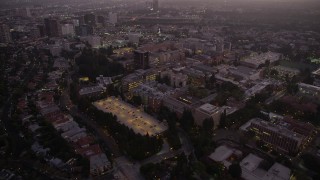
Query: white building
point(91, 91)
point(75, 22)
point(252, 171)
point(67, 30)
point(222, 153)
point(207, 111)
point(113, 18)
point(94, 41)
point(255, 60)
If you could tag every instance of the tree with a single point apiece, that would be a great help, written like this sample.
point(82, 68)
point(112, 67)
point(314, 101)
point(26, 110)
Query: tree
point(223, 118)
point(235, 170)
point(110, 50)
point(166, 80)
point(211, 82)
point(267, 63)
point(308, 76)
point(187, 120)
point(208, 124)
point(274, 72)
point(311, 162)
point(292, 86)
point(137, 100)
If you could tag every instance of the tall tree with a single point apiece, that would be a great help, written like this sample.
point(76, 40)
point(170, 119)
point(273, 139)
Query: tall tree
point(208, 124)
point(223, 119)
point(187, 120)
point(235, 170)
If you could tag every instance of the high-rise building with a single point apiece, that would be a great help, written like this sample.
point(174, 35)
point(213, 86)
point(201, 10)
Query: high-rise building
point(5, 35)
point(76, 22)
point(84, 30)
point(113, 18)
point(316, 77)
point(67, 30)
point(28, 12)
point(52, 27)
point(155, 5)
point(42, 30)
point(141, 59)
point(101, 20)
point(94, 41)
point(207, 111)
point(90, 19)
point(23, 12)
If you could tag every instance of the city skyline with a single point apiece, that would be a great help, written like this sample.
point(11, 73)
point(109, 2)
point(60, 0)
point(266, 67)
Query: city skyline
point(160, 89)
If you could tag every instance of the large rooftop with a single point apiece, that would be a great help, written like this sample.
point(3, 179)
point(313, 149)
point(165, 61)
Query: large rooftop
point(257, 59)
point(251, 169)
point(221, 153)
point(251, 162)
point(209, 108)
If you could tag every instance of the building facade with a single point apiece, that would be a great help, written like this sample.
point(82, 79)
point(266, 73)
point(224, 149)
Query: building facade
point(141, 59)
point(52, 27)
point(5, 36)
point(277, 135)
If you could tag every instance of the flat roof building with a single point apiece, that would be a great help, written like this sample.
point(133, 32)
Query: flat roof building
point(277, 134)
point(251, 170)
point(207, 111)
point(255, 60)
point(222, 154)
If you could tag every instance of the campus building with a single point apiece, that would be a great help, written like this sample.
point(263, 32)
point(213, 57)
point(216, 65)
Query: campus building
point(285, 135)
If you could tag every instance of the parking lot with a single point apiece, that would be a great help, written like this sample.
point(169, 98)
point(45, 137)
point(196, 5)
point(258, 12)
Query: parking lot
point(131, 117)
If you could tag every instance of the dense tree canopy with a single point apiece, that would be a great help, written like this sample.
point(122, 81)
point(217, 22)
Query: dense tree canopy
point(187, 120)
point(93, 64)
point(208, 124)
point(235, 170)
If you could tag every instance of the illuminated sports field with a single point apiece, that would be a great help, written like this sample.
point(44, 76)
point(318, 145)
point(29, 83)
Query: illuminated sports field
point(131, 117)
